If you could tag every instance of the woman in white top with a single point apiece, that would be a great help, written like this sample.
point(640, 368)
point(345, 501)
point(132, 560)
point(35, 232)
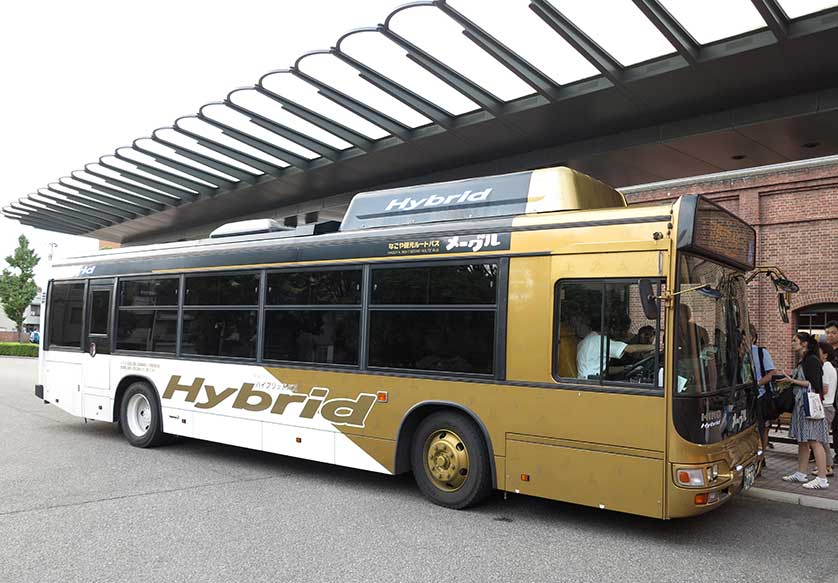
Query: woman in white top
point(830, 386)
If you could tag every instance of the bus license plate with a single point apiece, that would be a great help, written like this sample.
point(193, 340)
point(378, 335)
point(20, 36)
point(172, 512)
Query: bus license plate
point(750, 476)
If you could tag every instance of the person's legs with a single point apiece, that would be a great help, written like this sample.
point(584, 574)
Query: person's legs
point(763, 434)
point(829, 412)
point(820, 482)
point(802, 464)
point(803, 457)
point(834, 432)
point(820, 457)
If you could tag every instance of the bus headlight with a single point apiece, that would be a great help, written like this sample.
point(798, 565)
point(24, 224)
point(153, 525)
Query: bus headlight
point(693, 478)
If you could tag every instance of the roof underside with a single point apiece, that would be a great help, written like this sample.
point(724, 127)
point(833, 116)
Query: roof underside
point(344, 120)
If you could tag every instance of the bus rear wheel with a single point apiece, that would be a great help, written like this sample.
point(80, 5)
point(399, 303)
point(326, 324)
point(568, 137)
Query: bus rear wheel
point(140, 417)
point(450, 460)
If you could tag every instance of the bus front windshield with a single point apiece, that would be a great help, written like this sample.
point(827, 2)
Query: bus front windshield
point(713, 349)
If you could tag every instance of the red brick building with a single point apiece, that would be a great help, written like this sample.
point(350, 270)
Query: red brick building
point(794, 209)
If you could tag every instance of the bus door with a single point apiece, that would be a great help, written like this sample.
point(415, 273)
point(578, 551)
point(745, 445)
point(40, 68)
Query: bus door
point(98, 335)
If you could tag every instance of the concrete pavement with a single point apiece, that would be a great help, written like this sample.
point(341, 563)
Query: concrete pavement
point(77, 503)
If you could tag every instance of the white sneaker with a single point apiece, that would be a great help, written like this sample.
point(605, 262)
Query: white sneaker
point(816, 484)
point(796, 477)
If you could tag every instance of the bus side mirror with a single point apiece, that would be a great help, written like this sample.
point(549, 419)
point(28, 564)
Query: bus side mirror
point(648, 299)
point(783, 307)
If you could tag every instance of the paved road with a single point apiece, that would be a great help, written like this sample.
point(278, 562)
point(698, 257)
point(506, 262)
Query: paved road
point(77, 503)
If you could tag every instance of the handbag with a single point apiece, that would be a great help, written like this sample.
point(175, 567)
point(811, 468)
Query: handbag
point(813, 406)
point(767, 407)
point(784, 401)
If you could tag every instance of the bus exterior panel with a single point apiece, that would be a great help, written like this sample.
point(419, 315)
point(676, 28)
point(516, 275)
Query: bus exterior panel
point(607, 440)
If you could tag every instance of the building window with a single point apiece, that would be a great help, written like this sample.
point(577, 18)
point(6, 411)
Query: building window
point(66, 306)
point(813, 319)
point(434, 318)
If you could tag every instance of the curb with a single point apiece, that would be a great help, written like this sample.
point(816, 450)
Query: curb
point(791, 498)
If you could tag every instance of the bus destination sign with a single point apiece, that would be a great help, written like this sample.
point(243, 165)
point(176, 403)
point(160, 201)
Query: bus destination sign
point(454, 244)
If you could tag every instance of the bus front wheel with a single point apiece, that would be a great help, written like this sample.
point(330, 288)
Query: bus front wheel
point(140, 417)
point(450, 460)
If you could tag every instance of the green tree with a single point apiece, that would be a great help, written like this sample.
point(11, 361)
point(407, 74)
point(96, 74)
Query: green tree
point(18, 289)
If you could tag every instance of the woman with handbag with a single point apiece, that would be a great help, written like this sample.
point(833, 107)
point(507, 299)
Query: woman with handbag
point(809, 431)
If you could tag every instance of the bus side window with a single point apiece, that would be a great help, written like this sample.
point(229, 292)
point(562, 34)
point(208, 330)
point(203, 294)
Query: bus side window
point(146, 319)
point(220, 315)
point(313, 316)
point(604, 336)
point(439, 317)
point(66, 306)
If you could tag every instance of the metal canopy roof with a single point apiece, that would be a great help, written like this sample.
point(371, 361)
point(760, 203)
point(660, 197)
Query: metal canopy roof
point(338, 121)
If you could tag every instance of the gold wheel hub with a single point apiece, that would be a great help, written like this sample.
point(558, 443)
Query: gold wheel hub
point(446, 460)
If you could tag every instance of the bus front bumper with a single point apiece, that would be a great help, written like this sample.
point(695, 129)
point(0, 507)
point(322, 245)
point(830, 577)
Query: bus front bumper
point(683, 501)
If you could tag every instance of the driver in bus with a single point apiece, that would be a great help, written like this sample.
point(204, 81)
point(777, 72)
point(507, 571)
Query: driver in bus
point(589, 358)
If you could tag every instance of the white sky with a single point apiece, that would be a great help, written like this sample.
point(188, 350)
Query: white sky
point(83, 78)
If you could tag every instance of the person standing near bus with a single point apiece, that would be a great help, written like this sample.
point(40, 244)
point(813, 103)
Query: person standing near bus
point(832, 340)
point(830, 385)
point(809, 433)
point(763, 370)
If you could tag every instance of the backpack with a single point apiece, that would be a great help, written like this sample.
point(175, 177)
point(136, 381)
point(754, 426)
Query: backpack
point(767, 405)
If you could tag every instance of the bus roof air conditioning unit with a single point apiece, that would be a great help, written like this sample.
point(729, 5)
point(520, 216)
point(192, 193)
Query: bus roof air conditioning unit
point(251, 227)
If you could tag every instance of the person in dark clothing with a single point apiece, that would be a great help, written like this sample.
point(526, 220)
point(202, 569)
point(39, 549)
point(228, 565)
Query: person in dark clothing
point(831, 338)
point(809, 433)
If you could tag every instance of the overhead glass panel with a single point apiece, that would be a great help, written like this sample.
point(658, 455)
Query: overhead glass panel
point(798, 8)
point(71, 183)
point(227, 116)
point(712, 20)
point(152, 146)
point(83, 175)
point(339, 75)
point(114, 161)
point(264, 105)
point(520, 29)
point(379, 53)
point(617, 26)
point(141, 158)
point(431, 30)
point(202, 128)
point(299, 91)
point(174, 137)
point(99, 169)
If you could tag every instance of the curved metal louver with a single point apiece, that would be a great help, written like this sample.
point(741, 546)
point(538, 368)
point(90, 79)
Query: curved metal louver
point(293, 121)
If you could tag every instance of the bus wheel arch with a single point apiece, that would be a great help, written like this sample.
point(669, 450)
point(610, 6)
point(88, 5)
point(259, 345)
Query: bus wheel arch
point(120, 391)
point(419, 413)
point(140, 390)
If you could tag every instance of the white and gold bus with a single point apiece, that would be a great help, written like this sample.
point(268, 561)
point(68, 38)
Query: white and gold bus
point(528, 332)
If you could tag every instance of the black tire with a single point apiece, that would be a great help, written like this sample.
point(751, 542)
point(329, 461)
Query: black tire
point(134, 417)
point(460, 475)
